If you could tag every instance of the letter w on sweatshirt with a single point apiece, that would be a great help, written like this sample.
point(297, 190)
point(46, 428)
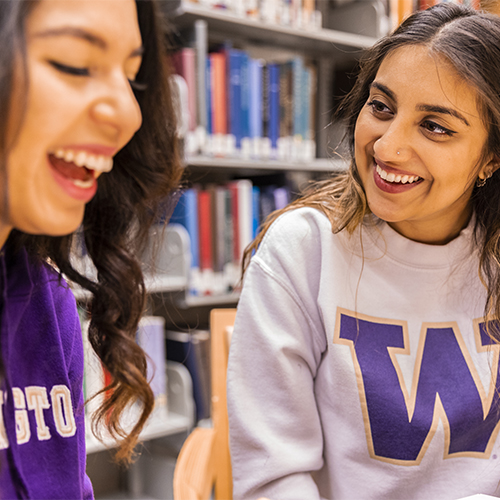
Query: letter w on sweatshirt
point(446, 387)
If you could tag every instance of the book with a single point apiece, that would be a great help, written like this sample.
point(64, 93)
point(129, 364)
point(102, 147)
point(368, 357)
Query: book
point(235, 97)
point(255, 105)
point(297, 92)
point(205, 230)
point(219, 96)
point(192, 349)
point(186, 214)
point(281, 197)
point(245, 105)
point(265, 148)
point(201, 52)
point(274, 106)
point(233, 188)
point(256, 220)
point(266, 202)
point(286, 110)
point(151, 337)
point(245, 216)
point(208, 97)
point(185, 65)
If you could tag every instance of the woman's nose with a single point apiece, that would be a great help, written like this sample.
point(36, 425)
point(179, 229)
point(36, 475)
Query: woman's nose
point(393, 143)
point(117, 108)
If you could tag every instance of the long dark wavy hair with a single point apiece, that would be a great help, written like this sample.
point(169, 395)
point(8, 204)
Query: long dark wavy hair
point(117, 220)
point(470, 41)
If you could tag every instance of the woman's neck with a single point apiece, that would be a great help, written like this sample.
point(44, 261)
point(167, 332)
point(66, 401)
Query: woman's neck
point(5, 230)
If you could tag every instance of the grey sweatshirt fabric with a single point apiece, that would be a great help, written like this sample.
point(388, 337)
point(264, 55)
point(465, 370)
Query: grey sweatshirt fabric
point(360, 368)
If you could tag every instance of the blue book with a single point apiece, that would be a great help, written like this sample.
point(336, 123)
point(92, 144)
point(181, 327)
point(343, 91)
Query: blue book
point(306, 93)
point(274, 104)
point(255, 211)
point(193, 351)
point(298, 78)
point(255, 78)
point(235, 111)
point(245, 95)
point(186, 214)
point(208, 100)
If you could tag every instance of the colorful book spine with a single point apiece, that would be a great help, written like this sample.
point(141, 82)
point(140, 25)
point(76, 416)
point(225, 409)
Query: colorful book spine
point(201, 51)
point(235, 58)
point(255, 211)
point(219, 95)
point(265, 100)
point(208, 97)
point(186, 214)
point(274, 105)
point(151, 337)
point(255, 104)
point(297, 92)
point(205, 230)
point(245, 99)
point(185, 66)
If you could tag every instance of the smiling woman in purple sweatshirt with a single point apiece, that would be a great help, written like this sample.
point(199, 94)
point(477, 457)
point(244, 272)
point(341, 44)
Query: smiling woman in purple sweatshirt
point(86, 138)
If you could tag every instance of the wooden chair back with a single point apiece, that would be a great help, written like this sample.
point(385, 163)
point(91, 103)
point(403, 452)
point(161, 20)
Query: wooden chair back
point(204, 461)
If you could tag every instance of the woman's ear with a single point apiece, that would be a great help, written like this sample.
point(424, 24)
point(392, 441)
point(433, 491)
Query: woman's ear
point(489, 168)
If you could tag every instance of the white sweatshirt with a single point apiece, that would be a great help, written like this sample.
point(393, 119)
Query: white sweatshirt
point(394, 405)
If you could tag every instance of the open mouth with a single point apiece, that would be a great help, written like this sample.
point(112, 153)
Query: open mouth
point(81, 177)
point(392, 178)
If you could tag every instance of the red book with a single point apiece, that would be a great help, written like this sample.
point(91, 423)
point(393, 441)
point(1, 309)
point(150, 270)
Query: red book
point(425, 4)
point(219, 96)
point(205, 230)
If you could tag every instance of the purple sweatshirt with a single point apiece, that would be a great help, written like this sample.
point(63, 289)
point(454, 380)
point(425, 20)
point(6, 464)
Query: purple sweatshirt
point(42, 432)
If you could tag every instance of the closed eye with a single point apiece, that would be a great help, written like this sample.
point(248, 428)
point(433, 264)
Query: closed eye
point(70, 70)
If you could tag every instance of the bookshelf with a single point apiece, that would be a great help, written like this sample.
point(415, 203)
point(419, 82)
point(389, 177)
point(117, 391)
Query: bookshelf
point(178, 417)
point(169, 283)
point(317, 165)
point(226, 23)
point(296, 71)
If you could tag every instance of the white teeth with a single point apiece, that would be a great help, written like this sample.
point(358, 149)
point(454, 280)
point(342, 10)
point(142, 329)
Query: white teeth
point(390, 177)
point(99, 163)
point(83, 184)
point(80, 159)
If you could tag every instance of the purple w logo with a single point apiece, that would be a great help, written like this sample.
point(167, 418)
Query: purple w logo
point(446, 386)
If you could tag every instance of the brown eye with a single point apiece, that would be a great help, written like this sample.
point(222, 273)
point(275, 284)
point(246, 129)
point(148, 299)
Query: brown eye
point(437, 129)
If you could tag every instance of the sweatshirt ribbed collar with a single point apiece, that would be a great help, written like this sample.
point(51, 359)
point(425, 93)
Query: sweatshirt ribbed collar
point(415, 254)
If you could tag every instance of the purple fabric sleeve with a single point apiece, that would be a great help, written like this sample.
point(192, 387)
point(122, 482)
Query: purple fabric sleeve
point(42, 430)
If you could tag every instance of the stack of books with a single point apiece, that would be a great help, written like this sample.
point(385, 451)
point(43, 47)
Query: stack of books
point(239, 106)
point(222, 220)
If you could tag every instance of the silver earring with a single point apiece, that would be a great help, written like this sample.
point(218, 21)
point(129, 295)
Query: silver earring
point(397, 152)
point(481, 182)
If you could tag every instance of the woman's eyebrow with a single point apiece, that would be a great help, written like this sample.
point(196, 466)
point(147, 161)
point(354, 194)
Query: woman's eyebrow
point(430, 108)
point(82, 34)
point(73, 32)
point(384, 89)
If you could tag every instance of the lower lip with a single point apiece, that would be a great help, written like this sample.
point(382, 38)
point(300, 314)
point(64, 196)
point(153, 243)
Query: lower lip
point(391, 187)
point(76, 192)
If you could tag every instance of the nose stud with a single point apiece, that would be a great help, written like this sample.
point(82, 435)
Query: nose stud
point(397, 152)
